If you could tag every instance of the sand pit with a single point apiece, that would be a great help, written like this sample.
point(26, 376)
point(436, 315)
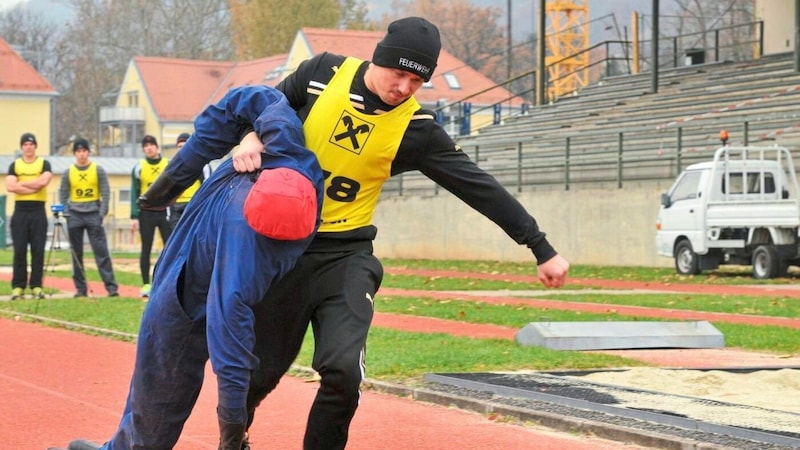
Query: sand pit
point(777, 389)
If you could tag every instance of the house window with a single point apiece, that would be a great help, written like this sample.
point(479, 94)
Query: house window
point(133, 99)
point(124, 195)
point(452, 81)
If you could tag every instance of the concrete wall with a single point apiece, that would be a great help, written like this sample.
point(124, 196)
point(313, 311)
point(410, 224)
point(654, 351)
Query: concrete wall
point(597, 225)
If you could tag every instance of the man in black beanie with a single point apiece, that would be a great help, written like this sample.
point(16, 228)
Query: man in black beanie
point(363, 123)
point(28, 177)
point(411, 44)
point(361, 120)
point(145, 173)
point(86, 196)
point(177, 208)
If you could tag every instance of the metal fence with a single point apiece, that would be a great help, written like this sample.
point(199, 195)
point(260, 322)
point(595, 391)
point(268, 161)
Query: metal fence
point(602, 158)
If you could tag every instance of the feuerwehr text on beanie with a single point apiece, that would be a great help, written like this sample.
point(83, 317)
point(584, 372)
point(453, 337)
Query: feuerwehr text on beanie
point(411, 44)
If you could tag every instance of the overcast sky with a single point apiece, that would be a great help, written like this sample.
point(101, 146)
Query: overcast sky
point(603, 13)
point(5, 4)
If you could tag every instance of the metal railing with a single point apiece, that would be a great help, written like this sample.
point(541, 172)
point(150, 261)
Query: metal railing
point(608, 159)
point(613, 58)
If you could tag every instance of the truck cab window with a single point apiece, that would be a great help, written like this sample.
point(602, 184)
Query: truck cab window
point(686, 188)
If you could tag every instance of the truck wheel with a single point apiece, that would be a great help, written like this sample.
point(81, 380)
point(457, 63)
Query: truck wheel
point(686, 259)
point(767, 263)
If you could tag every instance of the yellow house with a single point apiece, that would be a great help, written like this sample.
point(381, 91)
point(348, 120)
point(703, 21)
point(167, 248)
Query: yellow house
point(162, 97)
point(26, 104)
point(452, 81)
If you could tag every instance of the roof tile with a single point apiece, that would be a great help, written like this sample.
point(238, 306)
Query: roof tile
point(16, 75)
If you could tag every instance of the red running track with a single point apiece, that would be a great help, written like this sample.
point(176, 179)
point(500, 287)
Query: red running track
point(57, 385)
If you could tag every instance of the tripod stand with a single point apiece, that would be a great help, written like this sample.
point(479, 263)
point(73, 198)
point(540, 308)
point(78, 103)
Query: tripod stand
point(55, 244)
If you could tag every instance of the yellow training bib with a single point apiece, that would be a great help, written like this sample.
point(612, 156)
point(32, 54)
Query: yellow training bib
point(83, 184)
point(188, 193)
point(29, 172)
point(355, 150)
point(148, 173)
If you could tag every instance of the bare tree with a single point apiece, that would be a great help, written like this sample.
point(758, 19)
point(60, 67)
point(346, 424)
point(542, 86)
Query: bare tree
point(31, 36)
point(477, 36)
point(708, 23)
point(86, 59)
point(470, 33)
point(267, 27)
point(354, 15)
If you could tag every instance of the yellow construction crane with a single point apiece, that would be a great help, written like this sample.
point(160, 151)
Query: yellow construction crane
point(567, 35)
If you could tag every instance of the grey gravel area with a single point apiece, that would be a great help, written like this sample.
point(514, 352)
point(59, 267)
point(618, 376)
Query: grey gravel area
point(573, 420)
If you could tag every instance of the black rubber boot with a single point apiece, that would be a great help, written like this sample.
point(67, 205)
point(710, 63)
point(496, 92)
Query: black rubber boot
point(231, 435)
point(246, 442)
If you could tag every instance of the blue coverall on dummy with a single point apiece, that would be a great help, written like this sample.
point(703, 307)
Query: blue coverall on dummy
point(213, 269)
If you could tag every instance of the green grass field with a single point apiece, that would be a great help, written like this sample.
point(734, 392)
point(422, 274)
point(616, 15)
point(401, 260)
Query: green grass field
point(404, 356)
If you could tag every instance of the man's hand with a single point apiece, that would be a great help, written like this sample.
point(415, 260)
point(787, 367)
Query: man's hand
point(134, 225)
point(247, 157)
point(553, 272)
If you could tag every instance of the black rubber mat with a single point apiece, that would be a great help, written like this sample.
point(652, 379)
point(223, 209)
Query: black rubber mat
point(566, 388)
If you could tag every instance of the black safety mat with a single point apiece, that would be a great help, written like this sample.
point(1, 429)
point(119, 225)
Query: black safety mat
point(566, 388)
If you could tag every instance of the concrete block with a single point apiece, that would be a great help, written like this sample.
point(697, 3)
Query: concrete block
point(620, 335)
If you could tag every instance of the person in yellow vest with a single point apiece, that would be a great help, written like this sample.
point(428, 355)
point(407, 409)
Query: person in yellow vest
point(85, 194)
point(176, 210)
point(143, 175)
point(364, 124)
point(28, 177)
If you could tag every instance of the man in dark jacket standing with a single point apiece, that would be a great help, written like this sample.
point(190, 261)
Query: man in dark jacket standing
point(85, 194)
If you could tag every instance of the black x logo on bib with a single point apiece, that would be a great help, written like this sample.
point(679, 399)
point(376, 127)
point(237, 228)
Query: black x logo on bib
point(351, 133)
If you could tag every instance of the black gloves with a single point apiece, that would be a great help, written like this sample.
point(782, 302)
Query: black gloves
point(160, 194)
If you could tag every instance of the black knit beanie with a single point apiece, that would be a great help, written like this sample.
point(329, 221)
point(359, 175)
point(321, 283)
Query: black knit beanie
point(149, 139)
point(80, 143)
point(27, 137)
point(411, 44)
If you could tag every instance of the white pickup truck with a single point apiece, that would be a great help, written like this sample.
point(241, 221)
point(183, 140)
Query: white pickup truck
point(741, 208)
